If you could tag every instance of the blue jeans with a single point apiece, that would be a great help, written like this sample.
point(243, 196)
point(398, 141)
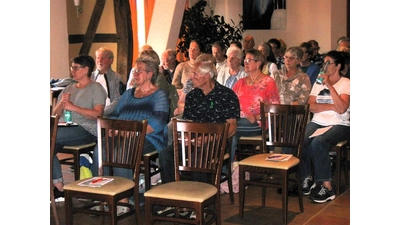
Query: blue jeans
point(69, 136)
point(244, 128)
point(316, 150)
point(127, 173)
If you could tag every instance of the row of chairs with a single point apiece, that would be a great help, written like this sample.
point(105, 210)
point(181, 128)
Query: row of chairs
point(201, 198)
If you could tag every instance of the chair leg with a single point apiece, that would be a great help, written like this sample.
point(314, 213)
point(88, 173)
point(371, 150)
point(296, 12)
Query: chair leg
point(77, 165)
point(285, 197)
point(68, 209)
point(241, 191)
point(337, 169)
point(147, 178)
point(229, 174)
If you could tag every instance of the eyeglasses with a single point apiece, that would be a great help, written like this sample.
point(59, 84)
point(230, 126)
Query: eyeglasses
point(289, 57)
point(248, 60)
point(75, 68)
point(138, 71)
point(326, 64)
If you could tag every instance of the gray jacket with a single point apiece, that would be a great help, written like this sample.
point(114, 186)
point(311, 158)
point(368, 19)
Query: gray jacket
point(115, 88)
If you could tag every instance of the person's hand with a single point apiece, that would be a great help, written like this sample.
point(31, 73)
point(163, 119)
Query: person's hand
point(67, 105)
point(251, 118)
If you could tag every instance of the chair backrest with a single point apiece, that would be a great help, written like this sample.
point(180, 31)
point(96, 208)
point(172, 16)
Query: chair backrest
point(199, 148)
point(122, 142)
point(283, 125)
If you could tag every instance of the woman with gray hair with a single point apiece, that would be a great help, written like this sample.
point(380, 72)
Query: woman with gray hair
point(233, 70)
point(270, 61)
point(293, 85)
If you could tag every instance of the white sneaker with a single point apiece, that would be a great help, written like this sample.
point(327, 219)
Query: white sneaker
point(122, 210)
point(155, 179)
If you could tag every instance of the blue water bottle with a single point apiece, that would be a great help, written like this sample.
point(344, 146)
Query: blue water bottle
point(68, 116)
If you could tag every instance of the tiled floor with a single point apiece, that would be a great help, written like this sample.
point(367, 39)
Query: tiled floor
point(335, 212)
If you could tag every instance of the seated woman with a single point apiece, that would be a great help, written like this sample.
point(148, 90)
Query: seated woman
point(86, 102)
point(330, 103)
point(250, 90)
point(145, 101)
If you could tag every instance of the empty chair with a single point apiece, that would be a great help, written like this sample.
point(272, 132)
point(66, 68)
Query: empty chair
point(282, 126)
point(123, 147)
point(199, 148)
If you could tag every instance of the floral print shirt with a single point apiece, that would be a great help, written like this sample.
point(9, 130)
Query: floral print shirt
point(294, 88)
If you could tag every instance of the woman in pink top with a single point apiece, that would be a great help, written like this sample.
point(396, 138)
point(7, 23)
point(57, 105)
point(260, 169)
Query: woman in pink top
point(251, 90)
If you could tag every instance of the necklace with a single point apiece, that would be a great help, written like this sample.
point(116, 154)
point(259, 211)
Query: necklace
point(142, 92)
point(254, 80)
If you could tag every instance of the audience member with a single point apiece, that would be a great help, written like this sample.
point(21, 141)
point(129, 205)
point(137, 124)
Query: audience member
point(218, 51)
point(208, 102)
point(275, 46)
point(316, 58)
point(183, 70)
point(252, 89)
point(108, 78)
point(85, 99)
point(293, 85)
point(330, 103)
point(144, 101)
point(311, 69)
point(343, 44)
point(269, 64)
point(236, 43)
point(161, 81)
point(230, 74)
point(281, 52)
point(169, 64)
point(248, 43)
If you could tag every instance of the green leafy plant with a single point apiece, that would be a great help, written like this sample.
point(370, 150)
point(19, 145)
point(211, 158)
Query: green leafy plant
point(197, 25)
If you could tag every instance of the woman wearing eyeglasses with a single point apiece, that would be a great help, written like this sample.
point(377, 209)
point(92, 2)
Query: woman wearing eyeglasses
point(294, 86)
point(252, 89)
point(330, 104)
point(85, 100)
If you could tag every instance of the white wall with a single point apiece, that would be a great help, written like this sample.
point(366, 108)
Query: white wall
point(59, 49)
point(322, 20)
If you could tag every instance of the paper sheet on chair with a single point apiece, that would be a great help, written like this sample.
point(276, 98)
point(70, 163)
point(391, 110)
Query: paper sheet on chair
point(320, 131)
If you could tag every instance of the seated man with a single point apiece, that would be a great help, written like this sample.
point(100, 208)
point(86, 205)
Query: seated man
point(208, 102)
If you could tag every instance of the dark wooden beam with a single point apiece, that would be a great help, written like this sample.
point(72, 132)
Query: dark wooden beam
point(78, 38)
point(123, 26)
point(92, 27)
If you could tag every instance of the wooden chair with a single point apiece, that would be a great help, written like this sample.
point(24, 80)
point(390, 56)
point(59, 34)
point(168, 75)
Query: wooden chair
point(198, 148)
point(124, 142)
point(248, 146)
point(76, 151)
point(282, 126)
point(53, 136)
point(227, 176)
point(146, 167)
point(339, 152)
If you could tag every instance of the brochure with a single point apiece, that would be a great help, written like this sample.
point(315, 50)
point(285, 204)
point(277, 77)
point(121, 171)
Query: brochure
point(279, 157)
point(96, 182)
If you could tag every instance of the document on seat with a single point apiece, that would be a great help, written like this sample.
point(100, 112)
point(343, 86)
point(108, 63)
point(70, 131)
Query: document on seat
point(320, 131)
point(279, 157)
point(96, 182)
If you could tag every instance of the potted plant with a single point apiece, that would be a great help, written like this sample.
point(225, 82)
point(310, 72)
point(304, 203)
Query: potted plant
point(197, 25)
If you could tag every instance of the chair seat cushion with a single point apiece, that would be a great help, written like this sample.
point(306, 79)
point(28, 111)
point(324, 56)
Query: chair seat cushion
point(259, 161)
point(79, 147)
point(183, 190)
point(118, 185)
point(251, 138)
